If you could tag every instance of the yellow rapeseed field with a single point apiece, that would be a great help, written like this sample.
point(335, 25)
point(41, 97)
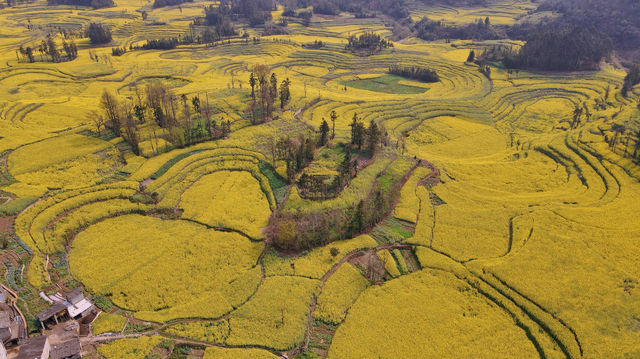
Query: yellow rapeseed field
point(129, 348)
point(108, 323)
point(276, 316)
point(380, 321)
point(229, 200)
point(339, 293)
point(237, 353)
point(527, 242)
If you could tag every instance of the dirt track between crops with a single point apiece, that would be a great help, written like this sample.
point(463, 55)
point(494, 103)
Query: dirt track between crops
point(5, 222)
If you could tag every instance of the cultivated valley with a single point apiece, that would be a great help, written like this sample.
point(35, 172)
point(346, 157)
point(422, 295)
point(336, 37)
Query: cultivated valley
point(320, 179)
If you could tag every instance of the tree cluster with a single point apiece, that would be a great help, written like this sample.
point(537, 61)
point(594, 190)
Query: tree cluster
point(163, 3)
point(265, 92)
point(118, 51)
point(415, 72)
point(624, 136)
point(368, 42)
point(367, 138)
point(274, 29)
point(161, 44)
point(304, 15)
point(578, 112)
point(98, 34)
point(219, 22)
point(255, 12)
point(396, 9)
point(430, 30)
point(49, 51)
point(316, 44)
point(632, 79)
point(296, 153)
point(618, 19)
point(183, 121)
point(567, 48)
point(485, 69)
point(300, 231)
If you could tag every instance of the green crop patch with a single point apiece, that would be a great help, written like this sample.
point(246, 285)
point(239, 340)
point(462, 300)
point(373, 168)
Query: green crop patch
point(385, 84)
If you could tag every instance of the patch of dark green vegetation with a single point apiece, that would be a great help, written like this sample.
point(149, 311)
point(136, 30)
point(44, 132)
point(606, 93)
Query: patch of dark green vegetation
point(167, 165)
point(277, 183)
point(415, 72)
point(385, 84)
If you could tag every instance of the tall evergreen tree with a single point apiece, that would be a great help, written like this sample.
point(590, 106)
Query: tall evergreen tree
point(346, 167)
point(285, 94)
point(334, 117)
point(324, 132)
point(357, 132)
point(52, 50)
point(252, 83)
point(472, 56)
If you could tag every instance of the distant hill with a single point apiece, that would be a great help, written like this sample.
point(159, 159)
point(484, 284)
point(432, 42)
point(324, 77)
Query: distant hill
point(618, 19)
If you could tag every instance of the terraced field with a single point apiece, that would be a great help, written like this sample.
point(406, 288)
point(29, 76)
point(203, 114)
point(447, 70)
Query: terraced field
point(514, 234)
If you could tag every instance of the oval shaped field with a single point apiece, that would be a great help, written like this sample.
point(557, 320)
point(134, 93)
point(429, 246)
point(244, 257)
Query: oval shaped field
point(429, 314)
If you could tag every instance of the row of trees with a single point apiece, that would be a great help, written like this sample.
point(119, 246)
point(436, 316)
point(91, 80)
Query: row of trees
point(429, 30)
point(396, 9)
point(632, 79)
point(415, 72)
point(96, 4)
point(163, 3)
point(161, 44)
point(265, 93)
point(48, 51)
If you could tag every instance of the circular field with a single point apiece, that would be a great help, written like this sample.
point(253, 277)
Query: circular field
point(166, 269)
point(430, 314)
